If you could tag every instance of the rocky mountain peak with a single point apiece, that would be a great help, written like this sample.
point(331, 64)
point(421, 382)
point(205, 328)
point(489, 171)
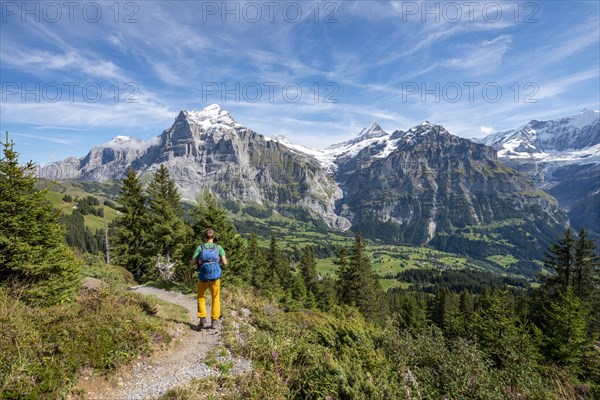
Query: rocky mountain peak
point(372, 131)
point(208, 117)
point(552, 139)
point(420, 131)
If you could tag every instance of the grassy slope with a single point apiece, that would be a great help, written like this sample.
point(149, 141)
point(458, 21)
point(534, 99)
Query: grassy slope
point(75, 189)
point(44, 350)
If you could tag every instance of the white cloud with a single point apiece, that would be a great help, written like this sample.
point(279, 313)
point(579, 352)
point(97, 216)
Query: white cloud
point(486, 130)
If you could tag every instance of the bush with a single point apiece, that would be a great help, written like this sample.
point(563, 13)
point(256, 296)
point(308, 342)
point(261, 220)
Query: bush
point(42, 349)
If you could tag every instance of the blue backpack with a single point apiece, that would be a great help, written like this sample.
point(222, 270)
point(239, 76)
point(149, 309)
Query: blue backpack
point(208, 263)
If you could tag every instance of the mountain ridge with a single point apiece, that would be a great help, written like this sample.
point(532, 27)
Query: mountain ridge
point(562, 156)
point(422, 185)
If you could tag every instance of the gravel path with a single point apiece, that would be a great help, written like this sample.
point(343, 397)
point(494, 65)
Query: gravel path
point(151, 377)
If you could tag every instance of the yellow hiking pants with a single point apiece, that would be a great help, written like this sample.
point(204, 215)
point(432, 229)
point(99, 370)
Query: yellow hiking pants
point(215, 292)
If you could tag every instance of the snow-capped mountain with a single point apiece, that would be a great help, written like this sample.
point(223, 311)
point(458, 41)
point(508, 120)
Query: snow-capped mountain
point(208, 149)
point(571, 139)
point(422, 185)
point(563, 156)
point(371, 136)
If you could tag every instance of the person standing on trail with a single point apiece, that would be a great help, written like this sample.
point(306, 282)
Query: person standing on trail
point(208, 259)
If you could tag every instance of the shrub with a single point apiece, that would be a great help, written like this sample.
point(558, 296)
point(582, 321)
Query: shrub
point(42, 349)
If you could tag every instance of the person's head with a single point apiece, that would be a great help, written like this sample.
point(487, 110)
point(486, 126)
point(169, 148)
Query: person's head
point(209, 234)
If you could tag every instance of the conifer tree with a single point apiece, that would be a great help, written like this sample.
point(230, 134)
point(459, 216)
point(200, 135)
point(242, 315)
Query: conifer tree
point(358, 285)
point(345, 282)
point(298, 288)
point(561, 260)
point(587, 279)
point(328, 293)
point(168, 231)
point(495, 327)
point(465, 304)
point(441, 307)
point(587, 267)
point(257, 263)
point(278, 268)
point(566, 331)
point(409, 314)
point(131, 237)
point(308, 270)
point(34, 259)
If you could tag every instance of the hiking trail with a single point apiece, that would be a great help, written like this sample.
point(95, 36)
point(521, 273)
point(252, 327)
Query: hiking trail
point(150, 377)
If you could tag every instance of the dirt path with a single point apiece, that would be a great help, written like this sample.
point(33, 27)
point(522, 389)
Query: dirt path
point(148, 378)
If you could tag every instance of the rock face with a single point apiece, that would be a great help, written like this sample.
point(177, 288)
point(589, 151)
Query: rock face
point(418, 186)
point(563, 158)
point(428, 186)
point(207, 149)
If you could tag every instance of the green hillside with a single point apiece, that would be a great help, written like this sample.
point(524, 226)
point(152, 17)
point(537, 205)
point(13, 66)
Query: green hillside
point(79, 190)
point(388, 260)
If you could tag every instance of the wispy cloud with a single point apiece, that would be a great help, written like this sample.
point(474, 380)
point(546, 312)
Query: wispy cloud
point(369, 53)
point(47, 138)
point(484, 57)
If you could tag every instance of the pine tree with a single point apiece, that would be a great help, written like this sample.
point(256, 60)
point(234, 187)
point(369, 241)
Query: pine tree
point(441, 307)
point(565, 330)
point(577, 260)
point(308, 270)
point(168, 231)
point(409, 314)
point(328, 294)
point(131, 238)
point(358, 285)
point(34, 259)
point(465, 303)
point(345, 283)
point(587, 264)
point(209, 215)
point(587, 279)
point(279, 272)
point(257, 263)
point(498, 332)
point(298, 288)
point(561, 260)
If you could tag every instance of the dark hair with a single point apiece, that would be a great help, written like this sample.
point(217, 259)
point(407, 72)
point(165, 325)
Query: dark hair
point(209, 233)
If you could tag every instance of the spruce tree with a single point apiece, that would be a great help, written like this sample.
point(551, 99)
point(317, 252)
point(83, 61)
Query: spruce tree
point(308, 270)
point(279, 272)
point(497, 330)
point(561, 260)
point(298, 289)
point(258, 264)
point(131, 237)
point(345, 283)
point(359, 286)
point(441, 307)
point(35, 262)
point(565, 330)
point(587, 264)
point(168, 231)
point(328, 293)
point(409, 314)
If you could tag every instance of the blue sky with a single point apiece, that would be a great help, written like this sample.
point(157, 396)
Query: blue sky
point(76, 74)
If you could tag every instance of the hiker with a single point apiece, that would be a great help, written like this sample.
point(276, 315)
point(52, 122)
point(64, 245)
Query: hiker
point(208, 258)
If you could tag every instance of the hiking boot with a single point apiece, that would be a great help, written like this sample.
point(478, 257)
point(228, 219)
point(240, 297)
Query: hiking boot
point(215, 324)
point(202, 323)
